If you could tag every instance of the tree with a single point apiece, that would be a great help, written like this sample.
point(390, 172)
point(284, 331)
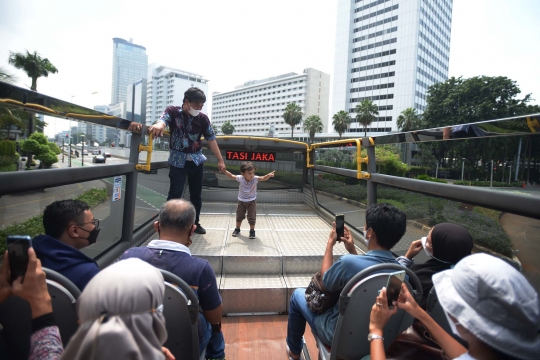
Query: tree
point(312, 125)
point(215, 129)
point(366, 112)
point(6, 76)
point(227, 128)
point(39, 146)
point(341, 121)
point(35, 67)
point(292, 116)
point(9, 119)
point(409, 120)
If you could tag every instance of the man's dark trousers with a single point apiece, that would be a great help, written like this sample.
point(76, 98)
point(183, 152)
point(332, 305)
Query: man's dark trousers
point(194, 176)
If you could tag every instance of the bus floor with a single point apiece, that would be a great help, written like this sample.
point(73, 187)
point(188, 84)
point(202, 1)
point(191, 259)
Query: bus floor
point(260, 337)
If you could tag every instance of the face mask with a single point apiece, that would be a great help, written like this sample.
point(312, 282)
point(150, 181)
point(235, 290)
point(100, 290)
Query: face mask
point(452, 325)
point(193, 112)
point(366, 240)
point(92, 235)
point(429, 253)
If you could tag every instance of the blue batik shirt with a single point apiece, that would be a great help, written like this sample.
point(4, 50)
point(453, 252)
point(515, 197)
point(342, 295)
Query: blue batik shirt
point(186, 131)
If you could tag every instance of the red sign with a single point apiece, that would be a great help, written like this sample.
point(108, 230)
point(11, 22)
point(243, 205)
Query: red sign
point(251, 156)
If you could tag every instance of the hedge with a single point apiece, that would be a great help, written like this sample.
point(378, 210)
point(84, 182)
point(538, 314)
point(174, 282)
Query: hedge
point(487, 183)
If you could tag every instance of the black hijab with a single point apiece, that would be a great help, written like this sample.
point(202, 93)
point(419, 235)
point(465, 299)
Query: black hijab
point(450, 243)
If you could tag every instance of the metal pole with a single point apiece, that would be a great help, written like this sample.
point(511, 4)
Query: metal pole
point(437, 170)
point(462, 169)
point(491, 180)
point(510, 174)
point(131, 190)
point(69, 151)
point(517, 160)
point(82, 153)
point(372, 168)
point(63, 149)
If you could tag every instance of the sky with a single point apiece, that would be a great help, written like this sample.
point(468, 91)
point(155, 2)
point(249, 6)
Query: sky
point(234, 41)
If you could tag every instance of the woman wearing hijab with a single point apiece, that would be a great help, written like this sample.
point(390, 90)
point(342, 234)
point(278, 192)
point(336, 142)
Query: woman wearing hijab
point(120, 315)
point(487, 302)
point(446, 244)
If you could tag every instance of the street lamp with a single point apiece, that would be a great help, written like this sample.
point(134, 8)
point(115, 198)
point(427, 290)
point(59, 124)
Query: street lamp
point(82, 151)
point(462, 168)
point(437, 169)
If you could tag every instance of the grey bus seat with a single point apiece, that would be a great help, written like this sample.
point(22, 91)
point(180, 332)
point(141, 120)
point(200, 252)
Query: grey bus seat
point(16, 316)
point(181, 311)
point(435, 310)
point(64, 295)
point(355, 303)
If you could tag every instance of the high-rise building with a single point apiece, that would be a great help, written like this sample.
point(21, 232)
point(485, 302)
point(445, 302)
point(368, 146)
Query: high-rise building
point(130, 63)
point(166, 86)
point(256, 107)
point(389, 51)
point(136, 101)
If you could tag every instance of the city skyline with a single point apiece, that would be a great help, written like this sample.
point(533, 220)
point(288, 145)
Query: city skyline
point(488, 38)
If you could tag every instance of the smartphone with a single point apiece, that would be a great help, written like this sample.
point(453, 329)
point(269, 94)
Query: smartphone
point(340, 226)
point(18, 246)
point(393, 286)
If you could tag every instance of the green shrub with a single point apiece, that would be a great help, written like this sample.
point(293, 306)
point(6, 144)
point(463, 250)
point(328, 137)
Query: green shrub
point(397, 204)
point(8, 168)
point(432, 179)
point(487, 183)
point(54, 148)
point(7, 148)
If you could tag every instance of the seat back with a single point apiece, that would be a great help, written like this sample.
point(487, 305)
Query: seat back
point(436, 311)
point(16, 316)
point(64, 295)
point(355, 303)
point(181, 311)
point(16, 321)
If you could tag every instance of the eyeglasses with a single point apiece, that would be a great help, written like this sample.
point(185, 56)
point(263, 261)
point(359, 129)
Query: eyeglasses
point(94, 221)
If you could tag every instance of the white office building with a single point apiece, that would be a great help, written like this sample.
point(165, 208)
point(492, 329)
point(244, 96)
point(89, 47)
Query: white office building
point(166, 87)
point(256, 107)
point(389, 51)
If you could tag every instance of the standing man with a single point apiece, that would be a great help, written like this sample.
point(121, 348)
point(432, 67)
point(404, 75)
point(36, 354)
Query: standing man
point(187, 124)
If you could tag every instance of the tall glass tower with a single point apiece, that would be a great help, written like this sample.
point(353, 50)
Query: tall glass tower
point(130, 63)
point(390, 52)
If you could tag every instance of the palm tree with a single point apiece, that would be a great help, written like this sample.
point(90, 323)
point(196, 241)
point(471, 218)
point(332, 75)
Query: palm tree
point(313, 124)
point(227, 128)
point(35, 67)
point(6, 77)
point(367, 112)
point(341, 121)
point(409, 120)
point(8, 119)
point(292, 116)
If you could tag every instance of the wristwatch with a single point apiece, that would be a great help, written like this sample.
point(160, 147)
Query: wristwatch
point(373, 336)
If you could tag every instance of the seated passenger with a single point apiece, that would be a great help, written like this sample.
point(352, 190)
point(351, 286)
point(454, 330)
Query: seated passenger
point(385, 225)
point(69, 226)
point(487, 302)
point(446, 244)
point(175, 227)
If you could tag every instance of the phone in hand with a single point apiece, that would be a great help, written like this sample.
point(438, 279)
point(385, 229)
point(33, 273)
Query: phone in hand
point(393, 286)
point(18, 246)
point(340, 226)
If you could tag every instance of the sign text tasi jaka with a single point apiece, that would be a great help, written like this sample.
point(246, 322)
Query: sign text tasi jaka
point(251, 156)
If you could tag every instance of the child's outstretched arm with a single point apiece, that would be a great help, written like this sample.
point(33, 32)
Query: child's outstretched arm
point(267, 176)
point(229, 175)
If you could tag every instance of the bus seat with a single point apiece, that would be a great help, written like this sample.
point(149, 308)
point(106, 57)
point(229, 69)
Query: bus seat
point(64, 295)
point(16, 316)
point(181, 311)
point(355, 303)
point(435, 310)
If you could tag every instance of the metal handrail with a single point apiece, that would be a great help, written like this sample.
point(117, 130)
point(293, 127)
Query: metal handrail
point(359, 159)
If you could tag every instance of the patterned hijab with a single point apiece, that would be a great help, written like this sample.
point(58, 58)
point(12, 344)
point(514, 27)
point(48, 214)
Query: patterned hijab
point(120, 312)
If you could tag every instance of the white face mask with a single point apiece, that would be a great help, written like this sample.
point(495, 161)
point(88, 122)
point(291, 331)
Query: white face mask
point(429, 253)
point(193, 112)
point(366, 240)
point(452, 325)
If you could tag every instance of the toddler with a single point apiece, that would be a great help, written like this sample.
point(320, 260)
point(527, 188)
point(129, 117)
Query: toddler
point(247, 196)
